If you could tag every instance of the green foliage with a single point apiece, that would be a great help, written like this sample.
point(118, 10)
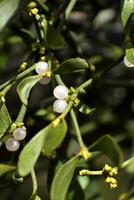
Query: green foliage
point(49, 138)
point(82, 42)
point(5, 120)
point(53, 38)
point(127, 11)
point(72, 65)
point(4, 168)
point(7, 10)
point(109, 147)
point(62, 179)
point(25, 87)
point(86, 109)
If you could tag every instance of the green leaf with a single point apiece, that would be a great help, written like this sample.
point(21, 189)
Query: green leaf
point(63, 179)
point(109, 147)
point(55, 137)
point(49, 138)
point(72, 65)
point(25, 87)
point(7, 10)
point(127, 10)
point(5, 120)
point(86, 109)
point(53, 38)
point(6, 168)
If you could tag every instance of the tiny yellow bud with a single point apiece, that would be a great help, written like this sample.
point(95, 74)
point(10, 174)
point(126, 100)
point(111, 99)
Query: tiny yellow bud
point(13, 127)
point(76, 102)
point(33, 11)
point(112, 182)
point(42, 51)
point(85, 153)
point(72, 90)
point(42, 58)
point(32, 4)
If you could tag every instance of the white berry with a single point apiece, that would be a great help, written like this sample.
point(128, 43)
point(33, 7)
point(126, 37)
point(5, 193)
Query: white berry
point(60, 92)
point(41, 67)
point(45, 81)
point(59, 105)
point(19, 133)
point(12, 144)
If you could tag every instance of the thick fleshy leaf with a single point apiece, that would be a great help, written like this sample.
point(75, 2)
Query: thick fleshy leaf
point(109, 147)
point(6, 168)
point(25, 87)
point(49, 138)
point(7, 10)
point(53, 38)
point(86, 109)
point(63, 179)
point(5, 120)
point(72, 65)
point(55, 137)
point(127, 10)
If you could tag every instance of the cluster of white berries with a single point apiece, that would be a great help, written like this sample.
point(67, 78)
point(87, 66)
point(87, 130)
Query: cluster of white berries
point(61, 93)
point(12, 144)
point(42, 67)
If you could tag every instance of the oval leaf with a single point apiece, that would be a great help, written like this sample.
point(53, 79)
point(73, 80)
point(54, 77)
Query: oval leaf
point(127, 10)
point(6, 168)
point(86, 109)
point(7, 9)
point(109, 147)
point(5, 120)
point(63, 179)
point(72, 65)
point(49, 138)
point(55, 137)
point(25, 87)
point(53, 38)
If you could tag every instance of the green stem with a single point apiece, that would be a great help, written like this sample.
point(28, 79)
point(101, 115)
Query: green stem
point(21, 114)
point(67, 12)
point(6, 89)
point(34, 182)
point(37, 28)
point(85, 84)
point(74, 119)
point(21, 75)
point(127, 162)
point(59, 80)
point(86, 172)
point(70, 8)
